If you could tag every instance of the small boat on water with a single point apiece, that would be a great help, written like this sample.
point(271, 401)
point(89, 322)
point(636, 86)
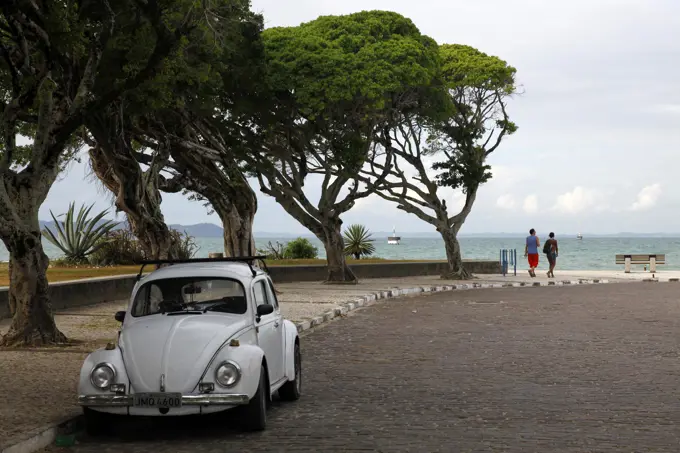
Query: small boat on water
point(579, 236)
point(394, 239)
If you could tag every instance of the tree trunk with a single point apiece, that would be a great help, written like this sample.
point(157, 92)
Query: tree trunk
point(20, 198)
point(227, 190)
point(333, 242)
point(139, 201)
point(455, 269)
point(238, 232)
point(137, 192)
point(32, 321)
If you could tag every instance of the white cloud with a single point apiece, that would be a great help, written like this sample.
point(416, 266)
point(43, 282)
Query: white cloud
point(667, 108)
point(531, 204)
point(506, 201)
point(506, 176)
point(647, 197)
point(580, 199)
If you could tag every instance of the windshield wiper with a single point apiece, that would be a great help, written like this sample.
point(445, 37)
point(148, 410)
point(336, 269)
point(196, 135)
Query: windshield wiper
point(184, 312)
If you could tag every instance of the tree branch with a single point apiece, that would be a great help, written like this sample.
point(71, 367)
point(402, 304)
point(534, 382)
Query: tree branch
point(166, 41)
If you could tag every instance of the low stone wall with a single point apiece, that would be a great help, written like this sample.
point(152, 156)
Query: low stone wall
point(81, 292)
point(106, 289)
point(307, 273)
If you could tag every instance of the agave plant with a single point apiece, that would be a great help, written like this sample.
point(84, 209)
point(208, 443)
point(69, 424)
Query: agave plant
point(79, 236)
point(358, 241)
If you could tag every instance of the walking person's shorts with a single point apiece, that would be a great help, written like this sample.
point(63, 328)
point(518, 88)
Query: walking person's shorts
point(533, 259)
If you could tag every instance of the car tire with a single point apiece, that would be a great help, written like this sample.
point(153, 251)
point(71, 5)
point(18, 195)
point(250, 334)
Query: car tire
point(255, 414)
point(291, 390)
point(96, 423)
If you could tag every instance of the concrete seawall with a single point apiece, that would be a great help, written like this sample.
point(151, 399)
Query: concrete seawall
point(106, 289)
point(309, 273)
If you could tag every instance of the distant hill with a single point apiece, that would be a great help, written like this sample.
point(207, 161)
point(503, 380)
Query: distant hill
point(200, 230)
point(203, 230)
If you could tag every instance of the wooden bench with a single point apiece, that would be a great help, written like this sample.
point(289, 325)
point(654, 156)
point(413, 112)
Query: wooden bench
point(641, 258)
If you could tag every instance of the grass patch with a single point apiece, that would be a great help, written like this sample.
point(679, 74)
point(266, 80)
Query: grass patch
point(60, 274)
point(64, 273)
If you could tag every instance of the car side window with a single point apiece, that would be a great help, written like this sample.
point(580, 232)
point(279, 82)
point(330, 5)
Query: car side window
point(141, 301)
point(147, 300)
point(271, 294)
point(260, 293)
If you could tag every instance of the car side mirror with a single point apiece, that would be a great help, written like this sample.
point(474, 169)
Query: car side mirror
point(265, 309)
point(120, 316)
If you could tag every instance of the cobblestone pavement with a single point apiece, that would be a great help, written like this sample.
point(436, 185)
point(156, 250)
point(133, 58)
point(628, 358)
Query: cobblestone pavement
point(568, 369)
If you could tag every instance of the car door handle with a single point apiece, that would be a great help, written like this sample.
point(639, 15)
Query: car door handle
point(276, 324)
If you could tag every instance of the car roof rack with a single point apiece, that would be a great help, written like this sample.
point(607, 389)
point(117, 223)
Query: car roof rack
point(235, 259)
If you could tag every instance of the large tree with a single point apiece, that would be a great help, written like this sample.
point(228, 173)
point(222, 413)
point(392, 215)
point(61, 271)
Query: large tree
point(335, 84)
point(214, 177)
point(52, 55)
point(150, 131)
point(447, 147)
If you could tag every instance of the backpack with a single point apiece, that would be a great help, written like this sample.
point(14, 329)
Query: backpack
point(546, 247)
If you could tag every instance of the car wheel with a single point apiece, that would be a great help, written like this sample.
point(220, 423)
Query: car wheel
point(255, 417)
point(291, 390)
point(96, 423)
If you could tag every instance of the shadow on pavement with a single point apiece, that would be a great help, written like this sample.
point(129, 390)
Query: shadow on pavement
point(194, 427)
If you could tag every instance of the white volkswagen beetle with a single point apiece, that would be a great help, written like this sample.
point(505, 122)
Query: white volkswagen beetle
point(200, 336)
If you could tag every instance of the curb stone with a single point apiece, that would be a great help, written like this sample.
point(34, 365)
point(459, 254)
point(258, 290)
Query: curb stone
point(42, 437)
point(372, 298)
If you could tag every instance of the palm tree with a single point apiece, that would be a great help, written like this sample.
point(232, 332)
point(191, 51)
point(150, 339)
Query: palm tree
point(358, 241)
point(79, 236)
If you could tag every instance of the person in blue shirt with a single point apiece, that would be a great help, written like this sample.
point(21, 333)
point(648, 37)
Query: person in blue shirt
point(531, 251)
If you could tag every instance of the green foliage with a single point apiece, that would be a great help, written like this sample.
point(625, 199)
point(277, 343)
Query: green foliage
point(142, 47)
point(358, 241)
point(300, 248)
point(343, 78)
point(464, 67)
point(79, 236)
point(216, 51)
point(121, 247)
point(478, 86)
point(363, 58)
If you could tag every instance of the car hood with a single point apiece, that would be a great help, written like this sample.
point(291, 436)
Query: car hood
point(179, 347)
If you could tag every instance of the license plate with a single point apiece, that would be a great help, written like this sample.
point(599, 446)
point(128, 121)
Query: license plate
point(157, 400)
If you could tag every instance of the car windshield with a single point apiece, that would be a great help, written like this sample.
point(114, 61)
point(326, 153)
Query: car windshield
point(190, 295)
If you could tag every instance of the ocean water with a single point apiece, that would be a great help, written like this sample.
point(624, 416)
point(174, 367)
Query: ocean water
point(586, 254)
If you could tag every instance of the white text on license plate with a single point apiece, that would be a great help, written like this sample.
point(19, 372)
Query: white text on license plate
point(158, 399)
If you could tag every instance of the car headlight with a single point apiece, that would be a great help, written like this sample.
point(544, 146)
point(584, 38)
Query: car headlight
point(228, 374)
point(103, 375)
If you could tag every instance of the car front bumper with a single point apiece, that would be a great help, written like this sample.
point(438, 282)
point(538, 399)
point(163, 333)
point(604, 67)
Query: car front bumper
point(187, 400)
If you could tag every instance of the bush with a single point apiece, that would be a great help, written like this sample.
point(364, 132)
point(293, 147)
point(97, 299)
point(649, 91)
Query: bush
point(62, 262)
point(299, 249)
point(182, 246)
point(273, 252)
point(121, 248)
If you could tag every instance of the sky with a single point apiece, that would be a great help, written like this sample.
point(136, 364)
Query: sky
point(599, 118)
